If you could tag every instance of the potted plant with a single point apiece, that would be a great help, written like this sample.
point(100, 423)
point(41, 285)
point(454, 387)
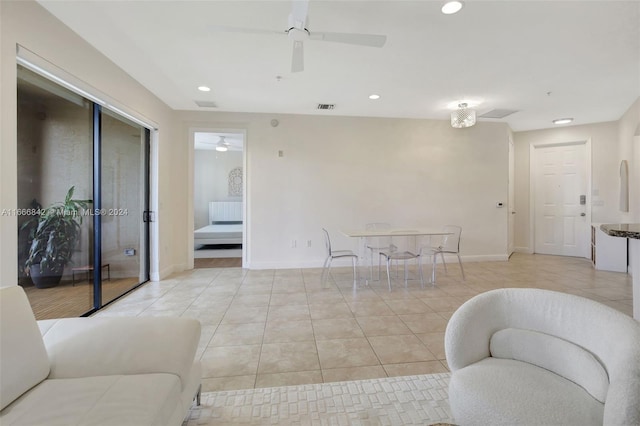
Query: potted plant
point(53, 235)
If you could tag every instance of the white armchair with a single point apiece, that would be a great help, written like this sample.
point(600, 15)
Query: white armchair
point(538, 357)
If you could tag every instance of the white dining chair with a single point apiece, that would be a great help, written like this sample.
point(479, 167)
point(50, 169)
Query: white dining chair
point(376, 245)
point(450, 245)
point(402, 252)
point(336, 254)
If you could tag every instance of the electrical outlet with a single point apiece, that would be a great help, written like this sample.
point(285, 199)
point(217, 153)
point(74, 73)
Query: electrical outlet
point(308, 243)
point(294, 244)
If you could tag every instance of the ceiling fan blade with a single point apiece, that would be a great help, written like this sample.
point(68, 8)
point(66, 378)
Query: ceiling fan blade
point(371, 40)
point(225, 29)
point(297, 60)
point(299, 10)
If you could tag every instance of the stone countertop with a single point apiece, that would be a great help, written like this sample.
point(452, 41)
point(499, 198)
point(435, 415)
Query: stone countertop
point(623, 230)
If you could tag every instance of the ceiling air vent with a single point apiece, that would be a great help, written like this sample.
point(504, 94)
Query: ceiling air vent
point(498, 113)
point(326, 106)
point(206, 104)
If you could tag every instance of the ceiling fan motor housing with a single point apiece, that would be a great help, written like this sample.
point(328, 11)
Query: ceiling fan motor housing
point(297, 34)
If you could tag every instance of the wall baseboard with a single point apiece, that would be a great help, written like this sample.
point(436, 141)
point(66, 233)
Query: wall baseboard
point(526, 250)
point(292, 265)
point(165, 272)
point(479, 258)
point(342, 263)
point(346, 263)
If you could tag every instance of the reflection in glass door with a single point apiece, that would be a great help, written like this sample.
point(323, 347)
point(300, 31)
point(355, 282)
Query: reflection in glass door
point(124, 195)
point(54, 146)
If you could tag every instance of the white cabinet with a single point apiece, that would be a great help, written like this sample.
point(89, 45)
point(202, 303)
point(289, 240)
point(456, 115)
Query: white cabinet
point(608, 253)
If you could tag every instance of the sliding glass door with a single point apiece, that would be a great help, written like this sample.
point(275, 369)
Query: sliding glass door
point(82, 192)
point(124, 147)
point(54, 143)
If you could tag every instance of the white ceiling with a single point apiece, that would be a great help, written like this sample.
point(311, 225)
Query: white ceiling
point(546, 59)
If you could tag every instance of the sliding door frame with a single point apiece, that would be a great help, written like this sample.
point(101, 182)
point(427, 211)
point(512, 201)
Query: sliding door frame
point(97, 206)
point(147, 215)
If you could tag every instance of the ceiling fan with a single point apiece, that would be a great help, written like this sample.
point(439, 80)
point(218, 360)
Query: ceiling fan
point(298, 32)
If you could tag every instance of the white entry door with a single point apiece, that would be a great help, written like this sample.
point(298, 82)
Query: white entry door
point(561, 225)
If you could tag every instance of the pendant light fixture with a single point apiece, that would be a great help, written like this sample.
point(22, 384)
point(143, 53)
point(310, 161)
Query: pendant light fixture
point(463, 116)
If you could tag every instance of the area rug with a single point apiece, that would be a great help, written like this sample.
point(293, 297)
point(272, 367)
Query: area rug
point(408, 400)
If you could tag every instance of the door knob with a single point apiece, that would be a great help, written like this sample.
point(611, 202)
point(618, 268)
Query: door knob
point(583, 214)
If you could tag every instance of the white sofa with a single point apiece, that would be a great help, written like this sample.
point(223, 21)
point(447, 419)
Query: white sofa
point(538, 357)
point(94, 371)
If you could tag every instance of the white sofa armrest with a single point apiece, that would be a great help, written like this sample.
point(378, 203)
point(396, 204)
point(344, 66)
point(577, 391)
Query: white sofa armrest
point(81, 347)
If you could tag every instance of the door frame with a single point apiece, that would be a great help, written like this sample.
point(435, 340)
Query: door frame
point(511, 202)
point(532, 187)
point(246, 259)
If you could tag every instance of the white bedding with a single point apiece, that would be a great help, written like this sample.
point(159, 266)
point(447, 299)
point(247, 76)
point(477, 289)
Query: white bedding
point(220, 233)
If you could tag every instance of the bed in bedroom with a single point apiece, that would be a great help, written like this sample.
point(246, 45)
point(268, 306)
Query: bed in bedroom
point(219, 233)
point(223, 236)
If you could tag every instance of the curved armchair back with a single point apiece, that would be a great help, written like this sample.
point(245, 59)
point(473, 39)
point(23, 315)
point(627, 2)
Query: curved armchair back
point(612, 337)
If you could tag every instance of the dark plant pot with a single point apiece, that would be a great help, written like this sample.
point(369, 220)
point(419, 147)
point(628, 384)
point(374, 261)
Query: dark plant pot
point(43, 281)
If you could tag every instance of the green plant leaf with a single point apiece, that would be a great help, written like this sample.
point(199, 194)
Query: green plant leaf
point(56, 233)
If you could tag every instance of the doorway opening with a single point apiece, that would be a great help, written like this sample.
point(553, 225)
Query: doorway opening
point(218, 199)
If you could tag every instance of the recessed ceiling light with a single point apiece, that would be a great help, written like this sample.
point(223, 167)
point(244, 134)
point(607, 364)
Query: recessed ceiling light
point(451, 7)
point(562, 120)
point(204, 89)
point(374, 96)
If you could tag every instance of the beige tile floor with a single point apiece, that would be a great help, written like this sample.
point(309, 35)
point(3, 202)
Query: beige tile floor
point(264, 328)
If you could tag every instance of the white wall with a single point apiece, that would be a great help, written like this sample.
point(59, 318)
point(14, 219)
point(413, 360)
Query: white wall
point(607, 142)
point(28, 24)
point(342, 172)
point(629, 137)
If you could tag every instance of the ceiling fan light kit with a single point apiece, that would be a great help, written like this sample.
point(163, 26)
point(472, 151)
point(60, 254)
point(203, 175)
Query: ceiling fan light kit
point(463, 116)
point(222, 146)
